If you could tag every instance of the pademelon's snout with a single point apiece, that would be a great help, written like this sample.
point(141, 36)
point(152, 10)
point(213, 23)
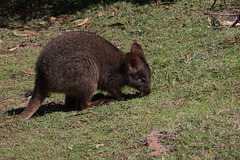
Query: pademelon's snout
point(146, 91)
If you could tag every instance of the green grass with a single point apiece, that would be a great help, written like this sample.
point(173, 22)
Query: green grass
point(191, 108)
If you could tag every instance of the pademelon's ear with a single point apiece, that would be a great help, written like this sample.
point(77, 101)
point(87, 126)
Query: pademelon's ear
point(131, 60)
point(137, 49)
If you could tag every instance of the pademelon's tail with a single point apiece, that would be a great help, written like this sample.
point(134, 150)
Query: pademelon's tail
point(39, 94)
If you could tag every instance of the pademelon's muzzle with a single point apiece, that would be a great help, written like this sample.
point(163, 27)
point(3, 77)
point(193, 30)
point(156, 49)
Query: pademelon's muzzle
point(146, 91)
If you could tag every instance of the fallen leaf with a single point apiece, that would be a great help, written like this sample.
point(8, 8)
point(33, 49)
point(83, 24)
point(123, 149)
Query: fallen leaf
point(78, 20)
point(211, 21)
point(49, 19)
point(234, 117)
point(51, 104)
point(13, 48)
point(227, 23)
point(100, 14)
point(84, 22)
point(167, 7)
point(22, 35)
point(99, 145)
point(29, 73)
point(31, 32)
point(22, 44)
point(112, 15)
point(190, 58)
point(69, 147)
point(158, 148)
point(52, 18)
point(88, 27)
point(185, 59)
point(230, 42)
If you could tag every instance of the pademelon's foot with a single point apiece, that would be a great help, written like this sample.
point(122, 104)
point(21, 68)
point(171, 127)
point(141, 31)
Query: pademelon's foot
point(3, 120)
point(102, 102)
point(97, 102)
point(78, 108)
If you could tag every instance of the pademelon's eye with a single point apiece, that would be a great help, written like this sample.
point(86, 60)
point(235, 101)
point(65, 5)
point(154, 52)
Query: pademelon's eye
point(143, 80)
point(132, 75)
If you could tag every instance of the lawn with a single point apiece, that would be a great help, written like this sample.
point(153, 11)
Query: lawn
point(193, 109)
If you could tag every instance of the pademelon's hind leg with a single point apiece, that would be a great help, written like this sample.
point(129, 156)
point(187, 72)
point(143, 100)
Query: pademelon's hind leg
point(83, 98)
point(70, 101)
point(39, 94)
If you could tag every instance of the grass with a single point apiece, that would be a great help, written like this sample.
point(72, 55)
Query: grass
point(193, 109)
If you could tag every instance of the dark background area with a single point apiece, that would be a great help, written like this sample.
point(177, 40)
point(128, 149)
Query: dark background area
point(25, 10)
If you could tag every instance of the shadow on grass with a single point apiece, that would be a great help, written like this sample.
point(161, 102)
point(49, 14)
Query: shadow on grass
point(25, 10)
point(52, 107)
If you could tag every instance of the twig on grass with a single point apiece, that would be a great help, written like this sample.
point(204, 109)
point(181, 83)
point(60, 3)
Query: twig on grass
point(234, 23)
point(215, 3)
point(221, 14)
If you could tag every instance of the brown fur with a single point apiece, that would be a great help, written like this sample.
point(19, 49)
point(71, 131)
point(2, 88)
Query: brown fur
point(79, 63)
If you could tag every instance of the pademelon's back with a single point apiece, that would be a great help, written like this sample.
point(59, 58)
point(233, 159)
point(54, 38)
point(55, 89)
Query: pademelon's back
point(72, 44)
point(79, 41)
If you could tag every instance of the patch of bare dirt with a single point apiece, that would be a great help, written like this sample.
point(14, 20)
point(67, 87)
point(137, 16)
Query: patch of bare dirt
point(159, 142)
point(157, 147)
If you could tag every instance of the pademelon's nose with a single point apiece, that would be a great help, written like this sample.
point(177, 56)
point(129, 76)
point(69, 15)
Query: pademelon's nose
point(147, 91)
